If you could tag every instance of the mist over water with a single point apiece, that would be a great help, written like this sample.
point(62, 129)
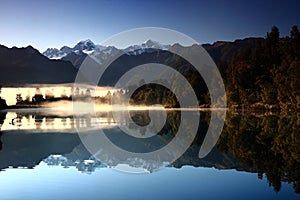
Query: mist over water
point(28, 91)
point(60, 116)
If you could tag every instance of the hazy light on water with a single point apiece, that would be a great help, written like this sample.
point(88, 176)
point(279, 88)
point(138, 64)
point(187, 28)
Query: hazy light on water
point(56, 116)
point(40, 121)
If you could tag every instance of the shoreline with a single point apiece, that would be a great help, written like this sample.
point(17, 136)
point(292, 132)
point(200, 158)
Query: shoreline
point(229, 109)
point(253, 108)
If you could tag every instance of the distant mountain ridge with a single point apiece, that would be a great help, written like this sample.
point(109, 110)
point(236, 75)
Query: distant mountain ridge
point(27, 65)
point(20, 66)
point(220, 51)
point(77, 54)
point(88, 47)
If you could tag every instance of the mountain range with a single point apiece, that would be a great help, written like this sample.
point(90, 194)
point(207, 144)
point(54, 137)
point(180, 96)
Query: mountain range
point(77, 54)
point(220, 51)
point(88, 47)
point(27, 65)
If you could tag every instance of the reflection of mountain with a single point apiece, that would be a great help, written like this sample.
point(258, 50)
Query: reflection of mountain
point(79, 158)
point(29, 149)
point(264, 144)
point(26, 149)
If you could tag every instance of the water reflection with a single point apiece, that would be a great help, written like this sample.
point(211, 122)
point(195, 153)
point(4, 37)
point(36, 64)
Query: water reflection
point(268, 145)
point(47, 120)
point(2, 118)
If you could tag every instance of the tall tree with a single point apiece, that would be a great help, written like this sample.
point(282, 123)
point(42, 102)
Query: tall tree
point(272, 47)
point(295, 35)
point(295, 42)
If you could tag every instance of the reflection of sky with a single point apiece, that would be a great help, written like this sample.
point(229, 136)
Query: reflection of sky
point(56, 182)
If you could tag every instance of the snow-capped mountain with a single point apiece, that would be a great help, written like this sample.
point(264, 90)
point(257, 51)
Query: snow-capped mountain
point(54, 53)
point(88, 47)
point(102, 53)
point(77, 54)
point(84, 45)
point(147, 46)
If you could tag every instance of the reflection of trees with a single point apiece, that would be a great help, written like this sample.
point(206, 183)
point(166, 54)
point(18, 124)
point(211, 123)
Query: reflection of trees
point(270, 144)
point(2, 118)
point(38, 120)
point(64, 121)
point(43, 120)
point(49, 122)
point(174, 121)
point(140, 117)
point(266, 144)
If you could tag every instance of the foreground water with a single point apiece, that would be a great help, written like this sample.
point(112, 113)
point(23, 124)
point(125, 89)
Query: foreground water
point(42, 157)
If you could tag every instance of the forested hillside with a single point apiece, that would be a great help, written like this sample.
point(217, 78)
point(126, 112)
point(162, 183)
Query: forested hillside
point(267, 74)
point(258, 73)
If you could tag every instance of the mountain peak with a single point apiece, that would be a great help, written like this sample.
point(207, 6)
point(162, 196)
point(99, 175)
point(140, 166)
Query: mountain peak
point(31, 49)
point(154, 45)
point(84, 45)
point(86, 42)
point(149, 41)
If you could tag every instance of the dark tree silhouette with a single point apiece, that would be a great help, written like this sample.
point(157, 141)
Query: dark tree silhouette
point(2, 101)
point(19, 98)
point(38, 97)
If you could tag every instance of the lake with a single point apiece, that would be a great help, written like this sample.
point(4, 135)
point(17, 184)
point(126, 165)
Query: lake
point(42, 156)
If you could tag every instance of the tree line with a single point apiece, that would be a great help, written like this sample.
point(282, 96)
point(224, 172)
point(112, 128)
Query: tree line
point(267, 74)
point(263, 77)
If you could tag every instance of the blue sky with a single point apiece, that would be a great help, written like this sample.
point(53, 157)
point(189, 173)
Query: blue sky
point(44, 24)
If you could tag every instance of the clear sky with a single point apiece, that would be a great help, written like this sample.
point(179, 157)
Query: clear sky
point(44, 24)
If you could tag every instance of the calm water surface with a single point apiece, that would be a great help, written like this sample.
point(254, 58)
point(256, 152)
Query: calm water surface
point(42, 157)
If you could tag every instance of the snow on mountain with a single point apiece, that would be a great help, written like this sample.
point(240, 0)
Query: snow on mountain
point(155, 45)
point(66, 49)
point(84, 45)
point(78, 53)
point(147, 46)
point(88, 47)
point(102, 50)
point(54, 53)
